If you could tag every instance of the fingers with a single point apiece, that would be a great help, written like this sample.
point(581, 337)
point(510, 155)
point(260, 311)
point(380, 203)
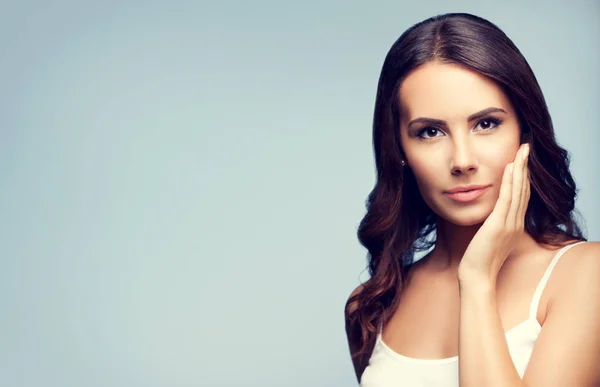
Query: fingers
point(528, 185)
point(525, 187)
point(505, 197)
point(517, 185)
point(514, 192)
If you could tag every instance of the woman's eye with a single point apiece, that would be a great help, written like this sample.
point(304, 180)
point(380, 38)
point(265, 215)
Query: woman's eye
point(428, 132)
point(488, 123)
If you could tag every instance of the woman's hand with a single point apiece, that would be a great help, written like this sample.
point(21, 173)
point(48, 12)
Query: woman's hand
point(495, 239)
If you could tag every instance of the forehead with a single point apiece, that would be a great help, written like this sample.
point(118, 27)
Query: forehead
point(448, 91)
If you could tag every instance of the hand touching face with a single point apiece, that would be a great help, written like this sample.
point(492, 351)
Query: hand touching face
point(496, 238)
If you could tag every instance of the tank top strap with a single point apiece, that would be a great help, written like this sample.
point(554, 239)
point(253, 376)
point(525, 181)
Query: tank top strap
point(535, 302)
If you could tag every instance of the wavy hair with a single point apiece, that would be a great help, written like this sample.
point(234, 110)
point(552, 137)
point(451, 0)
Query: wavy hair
point(398, 223)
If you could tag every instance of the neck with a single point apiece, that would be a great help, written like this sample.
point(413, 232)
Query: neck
point(452, 242)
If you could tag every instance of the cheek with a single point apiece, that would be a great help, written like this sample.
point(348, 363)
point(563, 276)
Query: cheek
point(496, 159)
point(428, 175)
point(500, 156)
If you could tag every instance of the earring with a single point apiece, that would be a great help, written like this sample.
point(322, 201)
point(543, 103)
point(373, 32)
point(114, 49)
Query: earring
point(403, 163)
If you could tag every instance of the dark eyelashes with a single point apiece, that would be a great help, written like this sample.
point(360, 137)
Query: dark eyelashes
point(492, 120)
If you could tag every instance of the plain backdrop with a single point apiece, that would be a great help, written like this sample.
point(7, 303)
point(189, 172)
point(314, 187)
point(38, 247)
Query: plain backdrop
point(181, 182)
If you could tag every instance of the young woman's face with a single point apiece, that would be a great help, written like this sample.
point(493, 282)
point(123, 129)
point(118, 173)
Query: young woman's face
point(449, 144)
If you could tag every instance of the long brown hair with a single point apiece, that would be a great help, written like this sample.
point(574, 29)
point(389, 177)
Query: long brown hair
point(398, 223)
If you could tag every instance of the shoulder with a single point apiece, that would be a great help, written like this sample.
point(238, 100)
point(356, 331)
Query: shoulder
point(589, 251)
point(578, 274)
point(580, 260)
point(571, 326)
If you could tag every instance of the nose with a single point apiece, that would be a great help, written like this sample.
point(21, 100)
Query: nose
point(463, 158)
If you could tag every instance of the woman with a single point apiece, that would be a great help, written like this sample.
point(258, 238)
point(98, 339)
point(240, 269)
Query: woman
point(467, 163)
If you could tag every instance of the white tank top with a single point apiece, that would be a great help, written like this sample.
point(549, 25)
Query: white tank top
point(388, 368)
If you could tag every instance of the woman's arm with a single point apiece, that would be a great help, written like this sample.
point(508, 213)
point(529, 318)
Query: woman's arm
point(482, 347)
point(567, 351)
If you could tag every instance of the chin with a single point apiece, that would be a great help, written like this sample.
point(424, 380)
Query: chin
point(469, 215)
point(465, 222)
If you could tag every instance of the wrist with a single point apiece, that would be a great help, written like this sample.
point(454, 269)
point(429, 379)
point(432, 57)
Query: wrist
point(477, 283)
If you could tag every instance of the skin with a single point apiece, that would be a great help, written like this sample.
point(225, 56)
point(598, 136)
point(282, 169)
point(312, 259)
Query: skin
point(458, 153)
point(478, 281)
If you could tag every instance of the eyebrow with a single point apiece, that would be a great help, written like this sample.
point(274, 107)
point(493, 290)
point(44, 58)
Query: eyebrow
point(472, 117)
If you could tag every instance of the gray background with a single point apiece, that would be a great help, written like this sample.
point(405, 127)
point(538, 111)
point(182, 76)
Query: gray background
point(182, 182)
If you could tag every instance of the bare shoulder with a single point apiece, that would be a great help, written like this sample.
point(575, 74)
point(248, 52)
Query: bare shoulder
point(580, 259)
point(578, 270)
point(589, 252)
point(571, 326)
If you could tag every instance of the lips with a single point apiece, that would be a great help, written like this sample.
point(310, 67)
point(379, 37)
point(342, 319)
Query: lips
point(465, 188)
point(466, 194)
